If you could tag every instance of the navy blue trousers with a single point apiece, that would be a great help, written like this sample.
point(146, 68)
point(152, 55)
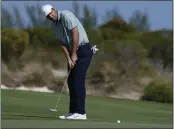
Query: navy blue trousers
point(76, 80)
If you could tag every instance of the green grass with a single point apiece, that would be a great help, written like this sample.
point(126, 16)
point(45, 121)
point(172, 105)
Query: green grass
point(31, 109)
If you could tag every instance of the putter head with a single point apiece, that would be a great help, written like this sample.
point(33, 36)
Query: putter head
point(53, 110)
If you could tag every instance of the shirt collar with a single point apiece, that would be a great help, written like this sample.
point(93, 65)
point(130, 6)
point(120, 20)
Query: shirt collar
point(59, 17)
point(59, 13)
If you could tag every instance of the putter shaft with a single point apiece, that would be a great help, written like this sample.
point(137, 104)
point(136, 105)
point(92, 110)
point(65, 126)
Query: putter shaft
point(62, 90)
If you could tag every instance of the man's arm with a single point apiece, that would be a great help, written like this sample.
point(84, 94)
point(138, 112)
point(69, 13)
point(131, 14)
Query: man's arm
point(75, 36)
point(65, 50)
point(66, 53)
point(71, 23)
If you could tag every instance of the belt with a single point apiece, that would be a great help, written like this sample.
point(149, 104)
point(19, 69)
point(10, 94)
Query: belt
point(94, 48)
point(82, 44)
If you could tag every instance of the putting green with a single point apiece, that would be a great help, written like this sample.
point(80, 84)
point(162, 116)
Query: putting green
point(31, 109)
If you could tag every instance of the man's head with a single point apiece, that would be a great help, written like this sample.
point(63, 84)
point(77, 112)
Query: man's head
point(50, 12)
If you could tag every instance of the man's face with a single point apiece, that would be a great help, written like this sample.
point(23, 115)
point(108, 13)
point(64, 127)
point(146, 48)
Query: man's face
point(53, 15)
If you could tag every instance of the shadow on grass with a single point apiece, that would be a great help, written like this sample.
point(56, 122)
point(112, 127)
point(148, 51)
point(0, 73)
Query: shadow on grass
point(29, 116)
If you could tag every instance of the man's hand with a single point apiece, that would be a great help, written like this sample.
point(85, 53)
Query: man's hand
point(70, 63)
point(74, 58)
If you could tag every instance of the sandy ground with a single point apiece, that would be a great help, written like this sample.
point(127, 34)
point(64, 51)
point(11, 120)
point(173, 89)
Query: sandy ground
point(130, 95)
point(35, 89)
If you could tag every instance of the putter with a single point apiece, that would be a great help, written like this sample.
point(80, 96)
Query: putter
point(55, 109)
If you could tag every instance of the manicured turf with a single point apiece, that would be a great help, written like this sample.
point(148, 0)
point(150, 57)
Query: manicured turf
point(31, 109)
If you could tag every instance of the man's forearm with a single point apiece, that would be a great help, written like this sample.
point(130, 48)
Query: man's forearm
point(65, 52)
point(64, 49)
point(75, 36)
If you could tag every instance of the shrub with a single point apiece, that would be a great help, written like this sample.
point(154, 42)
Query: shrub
point(158, 91)
point(115, 29)
point(40, 36)
point(159, 45)
point(130, 56)
point(118, 24)
point(14, 42)
point(121, 62)
point(111, 34)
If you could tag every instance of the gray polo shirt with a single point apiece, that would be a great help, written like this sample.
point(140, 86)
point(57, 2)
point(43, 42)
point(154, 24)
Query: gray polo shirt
point(66, 22)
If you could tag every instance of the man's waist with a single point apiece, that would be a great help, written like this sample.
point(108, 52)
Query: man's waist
point(83, 43)
point(80, 45)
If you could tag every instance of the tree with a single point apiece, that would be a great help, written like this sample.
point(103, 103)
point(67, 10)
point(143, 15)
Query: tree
point(7, 19)
point(140, 20)
point(76, 9)
point(18, 19)
point(94, 18)
point(87, 18)
point(37, 18)
point(113, 14)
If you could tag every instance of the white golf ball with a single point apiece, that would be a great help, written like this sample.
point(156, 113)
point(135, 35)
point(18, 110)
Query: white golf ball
point(118, 121)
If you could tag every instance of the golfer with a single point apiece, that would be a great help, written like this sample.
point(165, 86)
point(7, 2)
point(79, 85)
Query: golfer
point(77, 49)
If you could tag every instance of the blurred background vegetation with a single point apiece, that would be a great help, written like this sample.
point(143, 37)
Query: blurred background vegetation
point(133, 62)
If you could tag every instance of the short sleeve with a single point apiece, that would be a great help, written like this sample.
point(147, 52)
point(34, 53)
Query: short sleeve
point(70, 20)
